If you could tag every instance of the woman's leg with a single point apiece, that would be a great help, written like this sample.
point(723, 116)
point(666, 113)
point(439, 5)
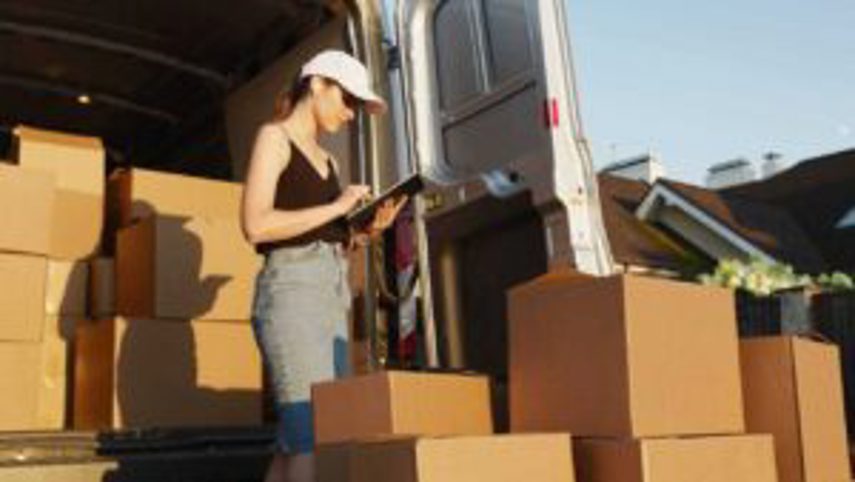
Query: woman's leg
point(291, 468)
point(301, 327)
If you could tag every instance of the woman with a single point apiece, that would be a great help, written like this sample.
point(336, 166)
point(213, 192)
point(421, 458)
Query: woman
point(293, 212)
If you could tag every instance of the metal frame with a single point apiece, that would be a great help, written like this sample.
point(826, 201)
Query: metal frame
point(90, 41)
point(575, 183)
point(64, 90)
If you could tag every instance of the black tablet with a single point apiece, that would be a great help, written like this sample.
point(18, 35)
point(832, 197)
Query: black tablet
point(362, 216)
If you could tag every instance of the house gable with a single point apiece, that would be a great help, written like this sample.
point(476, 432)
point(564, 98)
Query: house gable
point(729, 226)
point(666, 206)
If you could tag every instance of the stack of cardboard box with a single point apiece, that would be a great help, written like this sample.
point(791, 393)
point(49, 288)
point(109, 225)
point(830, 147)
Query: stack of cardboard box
point(173, 345)
point(794, 391)
point(25, 223)
point(53, 198)
point(646, 373)
point(425, 427)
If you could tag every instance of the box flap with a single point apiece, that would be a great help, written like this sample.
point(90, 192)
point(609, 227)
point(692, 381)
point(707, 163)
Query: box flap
point(78, 162)
point(28, 133)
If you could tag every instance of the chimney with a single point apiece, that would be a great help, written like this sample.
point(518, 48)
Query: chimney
point(730, 173)
point(772, 164)
point(645, 167)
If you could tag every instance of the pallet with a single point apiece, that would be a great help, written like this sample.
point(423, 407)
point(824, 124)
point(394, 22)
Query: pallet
point(187, 455)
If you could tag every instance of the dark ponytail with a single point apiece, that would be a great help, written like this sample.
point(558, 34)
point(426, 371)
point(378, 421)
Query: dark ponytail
point(287, 99)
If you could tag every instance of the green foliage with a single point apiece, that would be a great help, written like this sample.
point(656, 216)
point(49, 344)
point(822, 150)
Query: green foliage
point(835, 282)
point(761, 278)
point(756, 277)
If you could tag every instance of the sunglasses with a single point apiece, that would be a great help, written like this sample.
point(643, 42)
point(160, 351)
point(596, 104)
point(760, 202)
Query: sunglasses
point(351, 101)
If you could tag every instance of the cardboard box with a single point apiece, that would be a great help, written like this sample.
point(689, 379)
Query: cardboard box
point(793, 390)
point(138, 373)
point(53, 387)
point(401, 403)
point(77, 164)
point(22, 297)
point(623, 356)
point(19, 362)
point(333, 462)
point(25, 220)
point(67, 283)
point(76, 226)
point(33, 380)
point(139, 193)
point(94, 345)
point(501, 458)
point(199, 268)
point(102, 288)
point(739, 458)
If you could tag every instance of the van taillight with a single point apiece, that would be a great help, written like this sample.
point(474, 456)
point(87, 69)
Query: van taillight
point(550, 112)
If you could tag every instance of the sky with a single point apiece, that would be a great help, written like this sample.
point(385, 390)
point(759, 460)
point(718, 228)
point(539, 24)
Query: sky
point(702, 82)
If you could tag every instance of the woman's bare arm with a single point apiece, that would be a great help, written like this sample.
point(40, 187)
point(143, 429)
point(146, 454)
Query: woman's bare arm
point(260, 221)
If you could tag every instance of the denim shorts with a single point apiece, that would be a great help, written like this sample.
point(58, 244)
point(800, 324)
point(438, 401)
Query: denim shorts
point(300, 320)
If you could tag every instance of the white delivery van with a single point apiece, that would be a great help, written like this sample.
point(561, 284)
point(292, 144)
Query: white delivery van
point(483, 105)
point(491, 116)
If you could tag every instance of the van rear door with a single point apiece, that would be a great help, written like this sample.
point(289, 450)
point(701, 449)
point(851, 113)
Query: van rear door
point(491, 112)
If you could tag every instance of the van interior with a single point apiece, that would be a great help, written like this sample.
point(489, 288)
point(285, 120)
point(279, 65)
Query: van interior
point(183, 87)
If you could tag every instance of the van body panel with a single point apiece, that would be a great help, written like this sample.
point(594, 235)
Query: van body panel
point(491, 111)
point(490, 117)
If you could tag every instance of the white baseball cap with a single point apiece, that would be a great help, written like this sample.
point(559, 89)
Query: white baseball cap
point(347, 72)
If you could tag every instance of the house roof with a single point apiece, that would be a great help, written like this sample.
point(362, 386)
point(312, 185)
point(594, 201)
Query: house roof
point(768, 227)
point(817, 193)
point(792, 217)
point(633, 241)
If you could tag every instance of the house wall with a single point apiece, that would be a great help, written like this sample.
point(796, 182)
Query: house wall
point(698, 234)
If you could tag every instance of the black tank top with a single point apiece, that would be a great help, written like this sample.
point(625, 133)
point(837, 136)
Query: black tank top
point(300, 186)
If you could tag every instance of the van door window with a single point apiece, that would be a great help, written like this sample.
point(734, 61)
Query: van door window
point(508, 38)
point(457, 58)
point(487, 78)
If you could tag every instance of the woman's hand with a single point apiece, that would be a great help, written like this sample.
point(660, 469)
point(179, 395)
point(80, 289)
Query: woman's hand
point(350, 197)
point(358, 239)
point(385, 215)
point(383, 218)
